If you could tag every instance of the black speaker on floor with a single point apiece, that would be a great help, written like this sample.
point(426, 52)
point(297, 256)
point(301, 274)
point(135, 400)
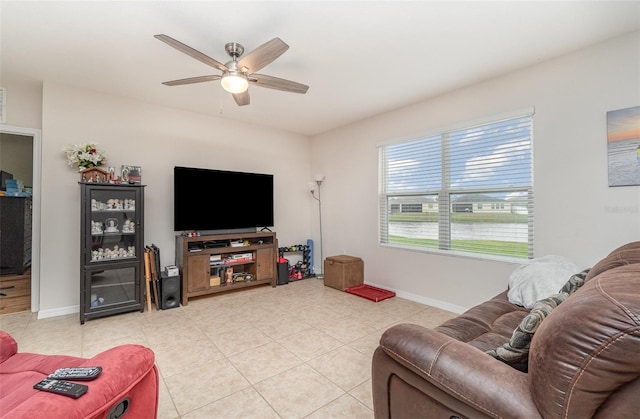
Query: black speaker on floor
point(169, 291)
point(283, 273)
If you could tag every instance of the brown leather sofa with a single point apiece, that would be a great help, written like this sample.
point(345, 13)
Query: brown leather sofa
point(584, 358)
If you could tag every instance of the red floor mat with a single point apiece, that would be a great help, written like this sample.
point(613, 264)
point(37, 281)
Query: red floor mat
point(370, 293)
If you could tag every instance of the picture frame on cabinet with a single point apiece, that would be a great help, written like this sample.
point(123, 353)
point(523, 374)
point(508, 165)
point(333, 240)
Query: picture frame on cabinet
point(131, 174)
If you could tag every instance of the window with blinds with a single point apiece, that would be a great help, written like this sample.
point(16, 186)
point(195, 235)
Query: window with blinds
point(462, 191)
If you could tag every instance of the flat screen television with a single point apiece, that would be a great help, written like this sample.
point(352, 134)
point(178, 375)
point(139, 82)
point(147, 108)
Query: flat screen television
point(213, 200)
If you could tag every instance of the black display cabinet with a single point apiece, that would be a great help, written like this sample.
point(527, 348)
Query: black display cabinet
point(112, 249)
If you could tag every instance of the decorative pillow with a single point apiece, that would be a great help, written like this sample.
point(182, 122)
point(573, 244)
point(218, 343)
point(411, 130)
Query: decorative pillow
point(539, 279)
point(516, 351)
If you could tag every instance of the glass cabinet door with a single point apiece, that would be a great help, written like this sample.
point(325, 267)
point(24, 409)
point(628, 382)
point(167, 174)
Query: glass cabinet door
point(112, 288)
point(113, 225)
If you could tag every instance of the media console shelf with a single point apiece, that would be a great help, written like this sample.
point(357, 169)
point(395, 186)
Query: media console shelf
point(224, 262)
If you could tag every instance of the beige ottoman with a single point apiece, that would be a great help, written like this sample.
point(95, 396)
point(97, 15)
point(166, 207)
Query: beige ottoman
point(341, 272)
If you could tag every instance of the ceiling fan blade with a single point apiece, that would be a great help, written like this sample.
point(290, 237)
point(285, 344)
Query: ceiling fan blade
point(191, 52)
point(276, 83)
point(263, 55)
point(241, 98)
point(191, 80)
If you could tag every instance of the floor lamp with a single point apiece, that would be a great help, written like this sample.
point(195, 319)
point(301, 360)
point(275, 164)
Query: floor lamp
point(313, 187)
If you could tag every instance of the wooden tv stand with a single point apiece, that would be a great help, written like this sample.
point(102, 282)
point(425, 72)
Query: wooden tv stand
point(197, 258)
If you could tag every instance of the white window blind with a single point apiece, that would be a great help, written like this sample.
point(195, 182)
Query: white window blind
point(467, 190)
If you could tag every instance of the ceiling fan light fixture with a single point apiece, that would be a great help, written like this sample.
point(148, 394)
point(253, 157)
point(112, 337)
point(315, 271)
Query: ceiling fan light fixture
point(235, 73)
point(232, 82)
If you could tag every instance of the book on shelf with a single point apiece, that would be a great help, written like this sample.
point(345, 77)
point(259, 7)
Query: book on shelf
point(239, 260)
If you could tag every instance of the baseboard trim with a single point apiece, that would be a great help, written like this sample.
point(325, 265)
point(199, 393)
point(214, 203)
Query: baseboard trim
point(55, 312)
point(424, 300)
point(62, 311)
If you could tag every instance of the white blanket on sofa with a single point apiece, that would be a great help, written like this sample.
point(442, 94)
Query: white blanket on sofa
point(539, 278)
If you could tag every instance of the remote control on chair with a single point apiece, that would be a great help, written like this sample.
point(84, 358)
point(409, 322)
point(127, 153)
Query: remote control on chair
point(78, 373)
point(64, 388)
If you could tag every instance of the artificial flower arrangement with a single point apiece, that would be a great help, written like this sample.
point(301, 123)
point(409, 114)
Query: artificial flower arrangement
point(85, 156)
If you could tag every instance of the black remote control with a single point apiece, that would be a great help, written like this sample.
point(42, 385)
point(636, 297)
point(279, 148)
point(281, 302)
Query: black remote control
point(78, 373)
point(64, 388)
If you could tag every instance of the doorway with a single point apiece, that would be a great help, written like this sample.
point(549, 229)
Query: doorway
point(23, 140)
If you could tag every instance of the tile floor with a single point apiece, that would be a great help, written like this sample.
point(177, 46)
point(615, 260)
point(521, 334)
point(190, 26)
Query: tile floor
point(300, 350)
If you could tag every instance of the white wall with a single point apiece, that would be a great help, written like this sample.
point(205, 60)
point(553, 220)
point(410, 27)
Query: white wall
point(24, 103)
point(576, 214)
point(157, 139)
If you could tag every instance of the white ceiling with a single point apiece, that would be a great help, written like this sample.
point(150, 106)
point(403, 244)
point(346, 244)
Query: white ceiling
point(359, 58)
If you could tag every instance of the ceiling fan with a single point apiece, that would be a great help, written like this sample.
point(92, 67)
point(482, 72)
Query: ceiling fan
point(238, 73)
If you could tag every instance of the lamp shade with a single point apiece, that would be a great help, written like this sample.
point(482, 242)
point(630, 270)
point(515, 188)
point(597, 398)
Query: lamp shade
point(233, 83)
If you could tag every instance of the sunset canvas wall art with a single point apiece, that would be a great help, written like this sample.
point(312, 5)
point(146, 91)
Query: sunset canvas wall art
point(623, 146)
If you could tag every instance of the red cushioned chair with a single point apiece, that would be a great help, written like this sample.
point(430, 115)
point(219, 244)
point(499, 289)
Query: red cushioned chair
point(128, 384)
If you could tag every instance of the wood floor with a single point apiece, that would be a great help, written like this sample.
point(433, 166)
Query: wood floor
point(16, 292)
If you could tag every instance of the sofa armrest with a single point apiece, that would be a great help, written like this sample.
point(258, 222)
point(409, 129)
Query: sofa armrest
point(122, 368)
point(8, 346)
point(128, 371)
point(460, 370)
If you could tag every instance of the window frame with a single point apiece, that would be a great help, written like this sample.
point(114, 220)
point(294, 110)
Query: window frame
point(445, 191)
